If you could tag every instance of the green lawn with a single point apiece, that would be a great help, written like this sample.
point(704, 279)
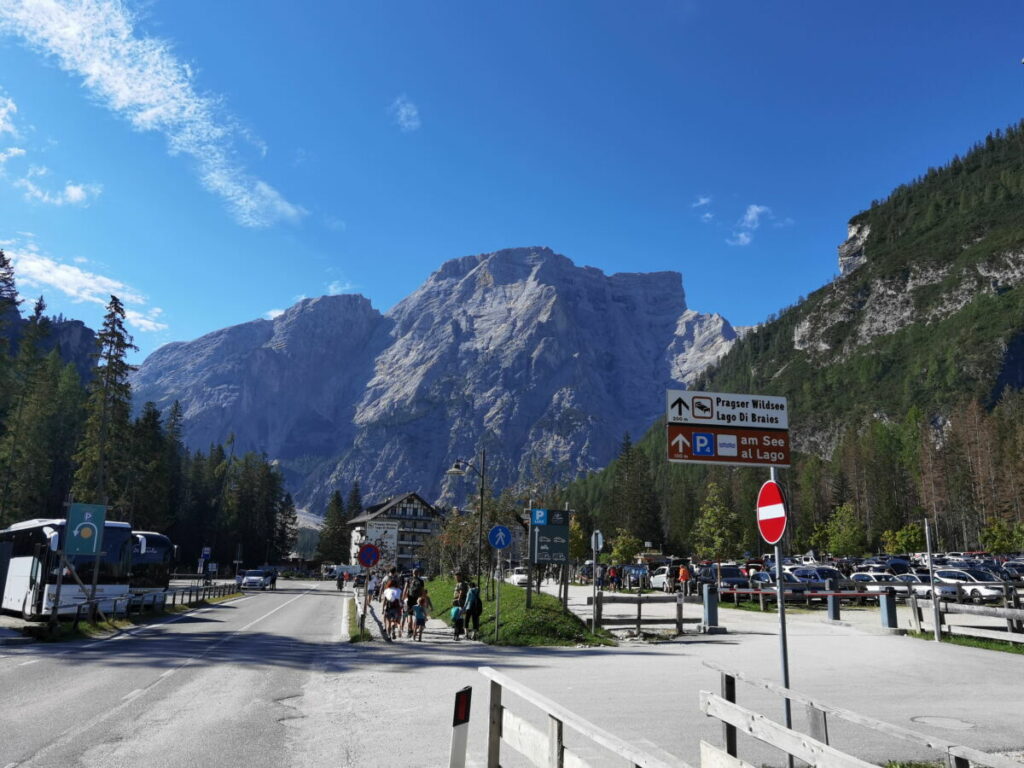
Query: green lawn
point(545, 623)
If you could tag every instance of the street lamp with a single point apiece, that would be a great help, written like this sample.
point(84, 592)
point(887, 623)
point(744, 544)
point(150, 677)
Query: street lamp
point(459, 468)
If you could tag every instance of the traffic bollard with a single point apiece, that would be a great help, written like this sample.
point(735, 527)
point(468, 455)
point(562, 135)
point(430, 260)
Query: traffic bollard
point(887, 606)
point(832, 600)
point(710, 605)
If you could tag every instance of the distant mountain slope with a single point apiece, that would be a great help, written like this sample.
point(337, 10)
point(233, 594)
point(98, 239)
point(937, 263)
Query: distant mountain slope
point(519, 352)
point(928, 310)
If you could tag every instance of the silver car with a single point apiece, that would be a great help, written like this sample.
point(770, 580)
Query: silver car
point(979, 585)
point(255, 579)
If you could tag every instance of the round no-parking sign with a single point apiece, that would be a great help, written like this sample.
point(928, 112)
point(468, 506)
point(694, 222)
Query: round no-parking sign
point(771, 512)
point(368, 555)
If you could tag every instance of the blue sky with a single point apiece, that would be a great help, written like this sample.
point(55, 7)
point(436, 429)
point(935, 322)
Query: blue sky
point(212, 161)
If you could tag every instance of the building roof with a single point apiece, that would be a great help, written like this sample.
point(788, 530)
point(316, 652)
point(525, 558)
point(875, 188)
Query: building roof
point(384, 509)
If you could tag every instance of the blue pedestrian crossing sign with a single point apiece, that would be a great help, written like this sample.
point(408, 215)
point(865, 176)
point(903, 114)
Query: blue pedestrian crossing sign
point(500, 537)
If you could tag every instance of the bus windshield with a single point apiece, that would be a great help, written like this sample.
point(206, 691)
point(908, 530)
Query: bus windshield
point(114, 566)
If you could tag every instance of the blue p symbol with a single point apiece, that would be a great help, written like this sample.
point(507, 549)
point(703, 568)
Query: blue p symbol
point(703, 444)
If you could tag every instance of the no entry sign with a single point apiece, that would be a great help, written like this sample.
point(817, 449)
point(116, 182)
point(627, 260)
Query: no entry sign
point(771, 512)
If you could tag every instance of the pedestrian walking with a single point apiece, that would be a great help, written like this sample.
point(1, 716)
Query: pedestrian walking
point(457, 619)
point(412, 593)
point(419, 612)
point(472, 608)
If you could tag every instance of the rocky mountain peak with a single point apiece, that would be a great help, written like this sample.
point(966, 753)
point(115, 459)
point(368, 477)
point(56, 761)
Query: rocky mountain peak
point(519, 351)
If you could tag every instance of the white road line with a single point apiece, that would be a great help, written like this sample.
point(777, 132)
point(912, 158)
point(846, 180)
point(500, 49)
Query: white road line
point(26, 663)
point(84, 726)
point(168, 673)
point(133, 694)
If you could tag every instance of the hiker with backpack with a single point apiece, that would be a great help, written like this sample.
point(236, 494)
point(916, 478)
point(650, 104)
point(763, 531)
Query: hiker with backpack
point(413, 592)
point(472, 608)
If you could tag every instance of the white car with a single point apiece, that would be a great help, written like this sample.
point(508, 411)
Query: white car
point(519, 576)
point(977, 584)
point(255, 579)
point(660, 579)
point(879, 583)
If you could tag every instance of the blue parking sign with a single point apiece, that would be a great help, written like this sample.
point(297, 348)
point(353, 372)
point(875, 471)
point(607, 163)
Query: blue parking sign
point(703, 444)
point(539, 516)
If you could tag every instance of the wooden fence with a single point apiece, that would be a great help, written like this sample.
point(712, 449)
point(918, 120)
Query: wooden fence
point(639, 600)
point(1014, 618)
point(815, 749)
point(546, 749)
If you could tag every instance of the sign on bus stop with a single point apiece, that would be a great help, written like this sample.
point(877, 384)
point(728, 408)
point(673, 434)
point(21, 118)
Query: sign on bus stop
point(83, 532)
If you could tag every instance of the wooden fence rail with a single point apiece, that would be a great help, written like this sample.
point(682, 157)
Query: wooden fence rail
point(639, 600)
point(819, 712)
point(546, 749)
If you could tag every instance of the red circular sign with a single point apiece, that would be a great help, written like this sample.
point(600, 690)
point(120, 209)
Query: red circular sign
point(771, 512)
point(368, 555)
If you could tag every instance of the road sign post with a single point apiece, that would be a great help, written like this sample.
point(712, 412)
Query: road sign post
point(368, 556)
point(596, 545)
point(771, 522)
point(500, 538)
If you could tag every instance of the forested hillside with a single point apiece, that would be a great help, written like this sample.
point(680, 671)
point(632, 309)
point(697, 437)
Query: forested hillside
point(903, 378)
point(62, 440)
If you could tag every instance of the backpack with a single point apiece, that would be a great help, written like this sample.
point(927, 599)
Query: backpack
point(415, 588)
point(472, 600)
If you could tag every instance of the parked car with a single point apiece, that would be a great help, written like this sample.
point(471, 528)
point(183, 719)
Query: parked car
point(791, 584)
point(979, 585)
point(256, 579)
point(519, 576)
point(664, 578)
point(238, 578)
point(922, 587)
point(879, 583)
point(817, 577)
point(730, 576)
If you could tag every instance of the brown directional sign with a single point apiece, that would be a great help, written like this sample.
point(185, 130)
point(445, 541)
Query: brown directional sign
point(688, 443)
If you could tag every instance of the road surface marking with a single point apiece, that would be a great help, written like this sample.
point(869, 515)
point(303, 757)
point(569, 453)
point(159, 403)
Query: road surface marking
point(26, 663)
point(133, 694)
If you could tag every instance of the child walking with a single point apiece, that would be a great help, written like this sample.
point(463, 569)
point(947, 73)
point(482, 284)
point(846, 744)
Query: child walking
point(457, 619)
point(419, 616)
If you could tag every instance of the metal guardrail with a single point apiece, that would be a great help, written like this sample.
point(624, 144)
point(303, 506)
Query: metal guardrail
point(122, 606)
point(815, 749)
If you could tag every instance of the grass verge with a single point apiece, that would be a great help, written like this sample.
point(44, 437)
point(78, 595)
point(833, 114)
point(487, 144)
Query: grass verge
point(972, 642)
point(66, 631)
point(354, 634)
point(544, 624)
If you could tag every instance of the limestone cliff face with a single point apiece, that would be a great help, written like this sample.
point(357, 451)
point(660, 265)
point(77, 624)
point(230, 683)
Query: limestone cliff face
point(519, 352)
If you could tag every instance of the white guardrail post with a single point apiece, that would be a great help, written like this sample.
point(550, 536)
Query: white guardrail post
point(460, 728)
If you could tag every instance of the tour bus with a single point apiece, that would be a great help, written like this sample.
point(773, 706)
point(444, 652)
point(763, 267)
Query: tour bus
point(153, 557)
point(32, 577)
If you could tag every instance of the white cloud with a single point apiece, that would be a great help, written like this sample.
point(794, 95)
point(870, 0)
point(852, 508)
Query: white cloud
point(7, 108)
point(145, 321)
point(339, 286)
point(10, 152)
point(740, 238)
point(38, 271)
point(708, 217)
point(141, 80)
point(702, 200)
point(72, 194)
point(405, 114)
point(752, 218)
point(273, 314)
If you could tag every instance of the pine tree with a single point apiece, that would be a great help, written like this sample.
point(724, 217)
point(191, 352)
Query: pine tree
point(25, 462)
point(717, 533)
point(287, 533)
point(334, 538)
point(149, 478)
point(9, 315)
point(102, 456)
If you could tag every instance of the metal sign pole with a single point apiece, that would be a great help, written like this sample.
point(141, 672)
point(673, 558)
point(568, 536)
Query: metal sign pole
point(497, 599)
point(593, 581)
point(936, 614)
point(783, 646)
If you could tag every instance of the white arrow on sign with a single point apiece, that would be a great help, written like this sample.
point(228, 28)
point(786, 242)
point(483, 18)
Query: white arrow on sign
point(679, 441)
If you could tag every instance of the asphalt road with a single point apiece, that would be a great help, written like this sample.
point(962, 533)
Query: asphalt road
point(266, 681)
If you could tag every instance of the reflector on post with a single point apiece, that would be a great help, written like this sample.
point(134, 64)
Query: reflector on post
point(460, 728)
point(462, 703)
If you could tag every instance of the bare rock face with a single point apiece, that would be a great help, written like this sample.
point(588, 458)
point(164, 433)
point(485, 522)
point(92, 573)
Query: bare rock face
point(852, 252)
point(520, 352)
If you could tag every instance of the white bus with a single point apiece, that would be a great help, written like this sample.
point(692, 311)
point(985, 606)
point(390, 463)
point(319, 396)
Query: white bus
point(32, 576)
